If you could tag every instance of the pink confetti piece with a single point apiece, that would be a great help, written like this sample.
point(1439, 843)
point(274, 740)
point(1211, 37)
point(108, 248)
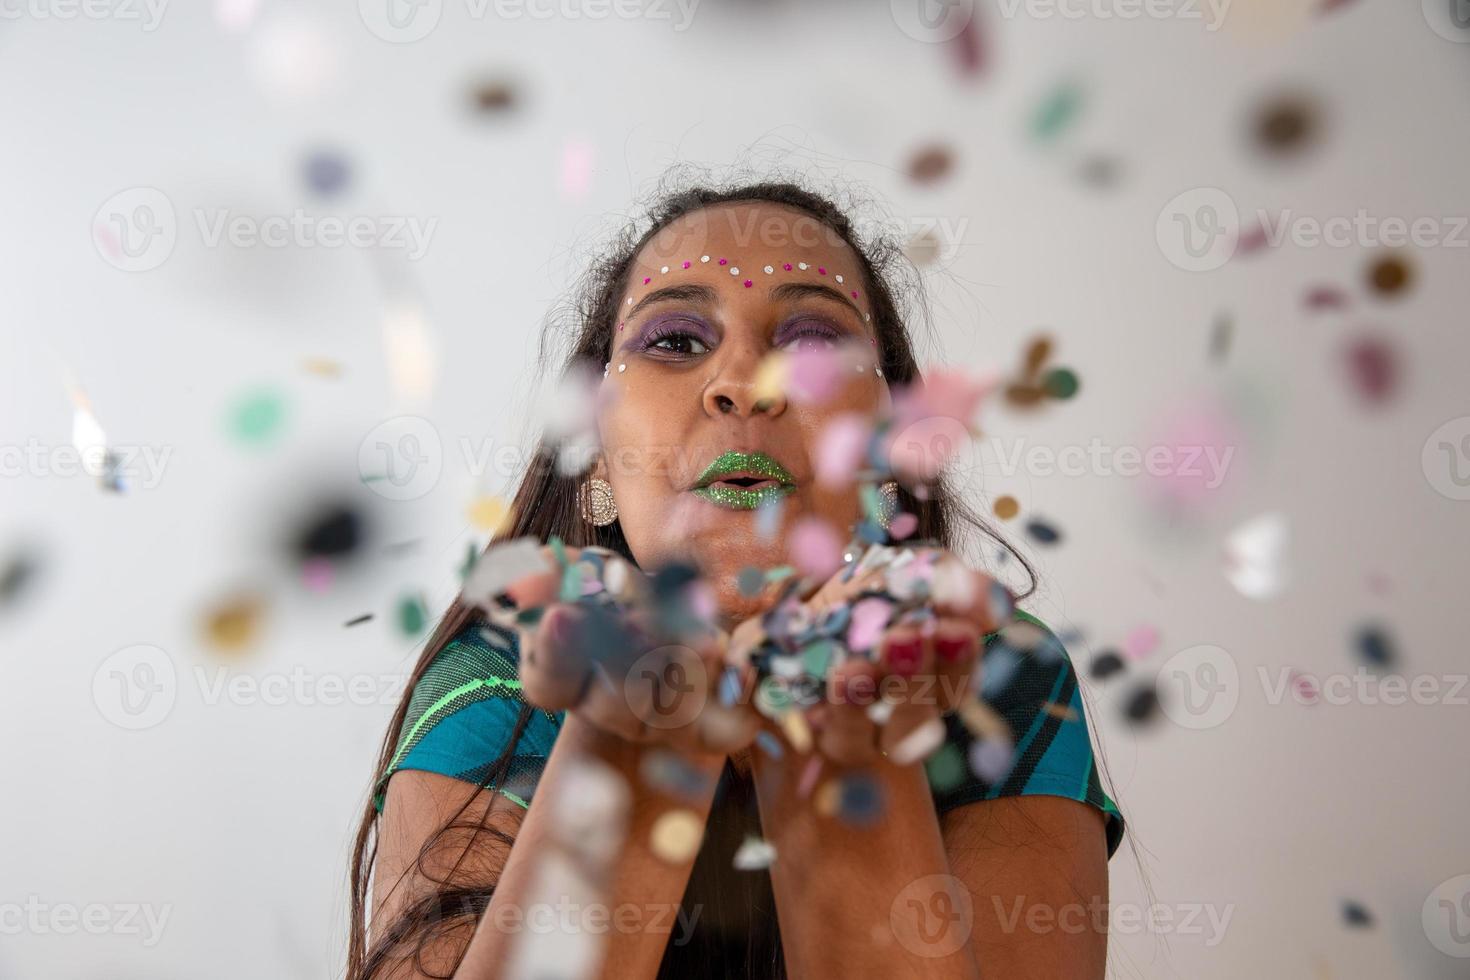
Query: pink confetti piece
point(902, 525)
point(840, 449)
point(1141, 642)
point(809, 777)
point(868, 618)
point(1326, 298)
point(316, 574)
point(1305, 687)
point(815, 548)
point(815, 375)
point(576, 169)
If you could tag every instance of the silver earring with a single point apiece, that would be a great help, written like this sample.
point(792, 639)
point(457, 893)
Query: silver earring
point(595, 498)
point(888, 497)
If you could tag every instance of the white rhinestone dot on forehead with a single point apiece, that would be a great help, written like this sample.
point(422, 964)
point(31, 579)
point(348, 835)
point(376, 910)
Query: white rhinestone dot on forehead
point(769, 270)
point(665, 271)
point(839, 278)
point(734, 270)
point(704, 258)
point(802, 266)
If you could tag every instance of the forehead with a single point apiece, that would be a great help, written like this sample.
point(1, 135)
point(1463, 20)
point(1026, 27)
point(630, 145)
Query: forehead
point(754, 233)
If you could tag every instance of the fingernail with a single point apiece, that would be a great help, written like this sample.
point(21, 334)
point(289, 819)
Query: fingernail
point(950, 647)
point(905, 655)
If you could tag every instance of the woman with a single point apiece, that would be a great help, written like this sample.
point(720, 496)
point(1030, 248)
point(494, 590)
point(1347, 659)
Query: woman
point(1001, 873)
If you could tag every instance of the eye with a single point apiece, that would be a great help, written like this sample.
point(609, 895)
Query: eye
point(679, 338)
point(809, 335)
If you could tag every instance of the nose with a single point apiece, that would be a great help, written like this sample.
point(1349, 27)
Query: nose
point(732, 391)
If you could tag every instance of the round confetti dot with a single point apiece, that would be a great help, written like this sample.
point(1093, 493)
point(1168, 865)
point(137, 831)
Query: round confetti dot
point(1286, 124)
point(930, 164)
point(992, 759)
point(1006, 507)
point(945, 768)
point(1355, 916)
point(903, 525)
point(750, 581)
point(258, 417)
point(234, 624)
point(1060, 383)
point(327, 173)
point(487, 513)
point(1390, 275)
point(676, 836)
point(860, 800)
point(1105, 665)
point(494, 97)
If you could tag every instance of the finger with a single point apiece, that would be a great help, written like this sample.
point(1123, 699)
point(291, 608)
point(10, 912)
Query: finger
point(555, 668)
point(727, 721)
point(540, 588)
point(956, 644)
point(960, 591)
point(905, 652)
point(848, 736)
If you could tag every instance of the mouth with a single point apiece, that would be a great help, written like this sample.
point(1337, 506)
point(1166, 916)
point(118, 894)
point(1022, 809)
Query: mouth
point(743, 481)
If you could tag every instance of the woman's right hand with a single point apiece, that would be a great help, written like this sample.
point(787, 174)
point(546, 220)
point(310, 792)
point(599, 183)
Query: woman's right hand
point(620, 672)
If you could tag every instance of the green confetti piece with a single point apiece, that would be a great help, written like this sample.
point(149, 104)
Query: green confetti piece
point(257, 418)
point(411, 615)
point(1060, 383)
point(780, 572)
point(471, 555)
point(945, 768)
point(872, 502)
point(1057, 111)
point(816, 658)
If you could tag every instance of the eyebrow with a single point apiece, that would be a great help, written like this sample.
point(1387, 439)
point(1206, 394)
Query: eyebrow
point(706, 295)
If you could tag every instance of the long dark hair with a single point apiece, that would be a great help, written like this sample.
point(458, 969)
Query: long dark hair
point(545, 504)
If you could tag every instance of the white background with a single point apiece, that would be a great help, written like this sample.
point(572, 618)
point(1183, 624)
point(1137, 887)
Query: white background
point(236, 816)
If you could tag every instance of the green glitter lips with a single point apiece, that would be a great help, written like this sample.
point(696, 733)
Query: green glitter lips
point(731, 469)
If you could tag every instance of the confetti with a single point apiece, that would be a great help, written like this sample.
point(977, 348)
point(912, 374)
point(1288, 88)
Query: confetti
point(359, 620)
point(1060, 383)
point(755, 855)
point(327, 174)
point(670, 773)
point(1326, 298)
point(257, 417)
point(1142, 704)
point(1043, 533)
point(902, 525)
point(945, 768)
point(233, 625)
point(1390, 275)
point(859, 799)
point(676, 836)
point(411, 616)
point(1373, 646)
point(1057, 111)
point(840, 449)
point(488, 513)
point(1006, 507)
point(930, 164)
point(919, 743)
point(334, 530)
point(1373, 368)
point(1355, 916)
point(992, 759)
point(1255, 556)
point(815, 548)
point(494, 97)
point(1141, 642)
point(1105, 665)
point(1287, 124)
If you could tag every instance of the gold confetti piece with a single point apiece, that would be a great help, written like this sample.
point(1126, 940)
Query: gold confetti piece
point(322, 367)
point(234, 624)
point(828, 798)
point(982, 720)
point(1390, 275)
point(772, 376)
point(488, 513)
point(798, 731)
point(676, 836)
point(1059, 711)
point(1006, 507)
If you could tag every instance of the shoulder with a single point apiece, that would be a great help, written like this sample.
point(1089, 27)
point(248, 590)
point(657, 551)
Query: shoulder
point(1043, 745)
point(466, 716)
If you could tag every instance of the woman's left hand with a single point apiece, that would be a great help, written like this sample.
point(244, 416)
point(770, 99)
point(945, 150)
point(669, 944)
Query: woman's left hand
point(923, 670)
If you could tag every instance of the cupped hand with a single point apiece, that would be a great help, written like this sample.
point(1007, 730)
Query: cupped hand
point(618, 668)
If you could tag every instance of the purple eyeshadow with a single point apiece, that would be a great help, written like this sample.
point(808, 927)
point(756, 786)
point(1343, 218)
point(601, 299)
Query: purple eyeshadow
point(671, 325)
point(807, 326)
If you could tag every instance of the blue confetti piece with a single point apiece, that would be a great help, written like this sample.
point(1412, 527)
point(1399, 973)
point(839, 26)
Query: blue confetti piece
point(770, 744)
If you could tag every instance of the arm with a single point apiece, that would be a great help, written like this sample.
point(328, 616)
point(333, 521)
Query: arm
point(1037, 870)
point(861, 901)
point(419, 804)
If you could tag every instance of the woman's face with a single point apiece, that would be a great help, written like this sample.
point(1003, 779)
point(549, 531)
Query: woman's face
point(683, 374)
